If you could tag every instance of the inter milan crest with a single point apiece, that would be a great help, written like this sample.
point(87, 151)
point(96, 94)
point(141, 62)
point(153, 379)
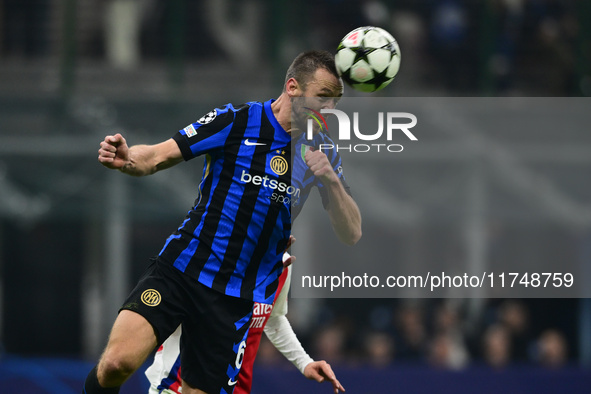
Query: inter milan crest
point(151, 297)
point(208, 117)
point(279, 165)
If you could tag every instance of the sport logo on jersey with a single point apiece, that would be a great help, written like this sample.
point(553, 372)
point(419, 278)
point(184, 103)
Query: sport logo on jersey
point(293, 193)
point(190, 131)
point(151, 297)
point(208, 117)
point(279, 165)
point(260, 313)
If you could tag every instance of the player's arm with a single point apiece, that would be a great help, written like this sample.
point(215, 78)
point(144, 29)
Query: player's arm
point(342, 209)
point(282, 336)
point(138, 160)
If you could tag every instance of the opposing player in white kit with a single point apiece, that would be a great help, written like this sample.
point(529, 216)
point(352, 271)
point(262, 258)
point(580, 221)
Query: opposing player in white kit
point(165, 376)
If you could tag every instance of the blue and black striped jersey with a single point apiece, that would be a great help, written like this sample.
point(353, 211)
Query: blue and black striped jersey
point(234, 236)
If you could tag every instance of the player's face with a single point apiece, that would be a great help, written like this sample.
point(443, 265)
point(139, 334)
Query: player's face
point(324, 90)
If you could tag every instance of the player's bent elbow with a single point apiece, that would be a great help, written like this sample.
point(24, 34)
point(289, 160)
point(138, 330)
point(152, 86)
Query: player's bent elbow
point(352, 238)
point(356, 237)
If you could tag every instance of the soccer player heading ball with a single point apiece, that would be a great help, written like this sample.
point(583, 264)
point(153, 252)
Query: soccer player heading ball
point(227, 253)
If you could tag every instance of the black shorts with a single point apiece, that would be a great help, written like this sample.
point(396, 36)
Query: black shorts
point(215, 325)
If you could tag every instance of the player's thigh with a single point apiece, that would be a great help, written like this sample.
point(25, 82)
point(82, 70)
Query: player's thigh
point(152, 311)
point(131, 341)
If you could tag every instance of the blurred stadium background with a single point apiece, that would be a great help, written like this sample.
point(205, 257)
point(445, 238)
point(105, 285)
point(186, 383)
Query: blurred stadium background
point(75, 237)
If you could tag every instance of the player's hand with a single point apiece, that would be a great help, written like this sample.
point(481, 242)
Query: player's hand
point(321, 371)
point(318, 162)
point(114, 152)
point(287, 261)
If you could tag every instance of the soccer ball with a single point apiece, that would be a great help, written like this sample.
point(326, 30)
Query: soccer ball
point(368, 58)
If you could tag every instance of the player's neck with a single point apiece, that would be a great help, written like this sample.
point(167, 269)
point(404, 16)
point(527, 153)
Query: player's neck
point(282, 110)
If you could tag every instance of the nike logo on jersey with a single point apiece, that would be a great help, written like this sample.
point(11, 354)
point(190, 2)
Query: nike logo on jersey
point(232, 383)
point(249, 143)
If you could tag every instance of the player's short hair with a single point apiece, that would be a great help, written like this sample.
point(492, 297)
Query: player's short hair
point(304, 66)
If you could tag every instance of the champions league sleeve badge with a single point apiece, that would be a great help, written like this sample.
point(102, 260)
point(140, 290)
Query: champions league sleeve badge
point(208, 117)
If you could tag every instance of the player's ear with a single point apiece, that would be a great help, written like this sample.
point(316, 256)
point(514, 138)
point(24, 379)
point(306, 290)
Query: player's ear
point(293, 88)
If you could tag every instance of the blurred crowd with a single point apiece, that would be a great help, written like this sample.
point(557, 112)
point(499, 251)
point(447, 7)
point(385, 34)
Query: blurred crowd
point(439, 334)
point(459, 47)
point(490, 47)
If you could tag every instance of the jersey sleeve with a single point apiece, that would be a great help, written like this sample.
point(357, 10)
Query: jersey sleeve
point(281, 335)
point(280, 306)
point(208, 133)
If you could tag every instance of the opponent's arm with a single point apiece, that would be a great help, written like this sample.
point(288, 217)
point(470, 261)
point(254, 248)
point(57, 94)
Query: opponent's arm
point(343, 211)
point(281, 335)
point(138, 160)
